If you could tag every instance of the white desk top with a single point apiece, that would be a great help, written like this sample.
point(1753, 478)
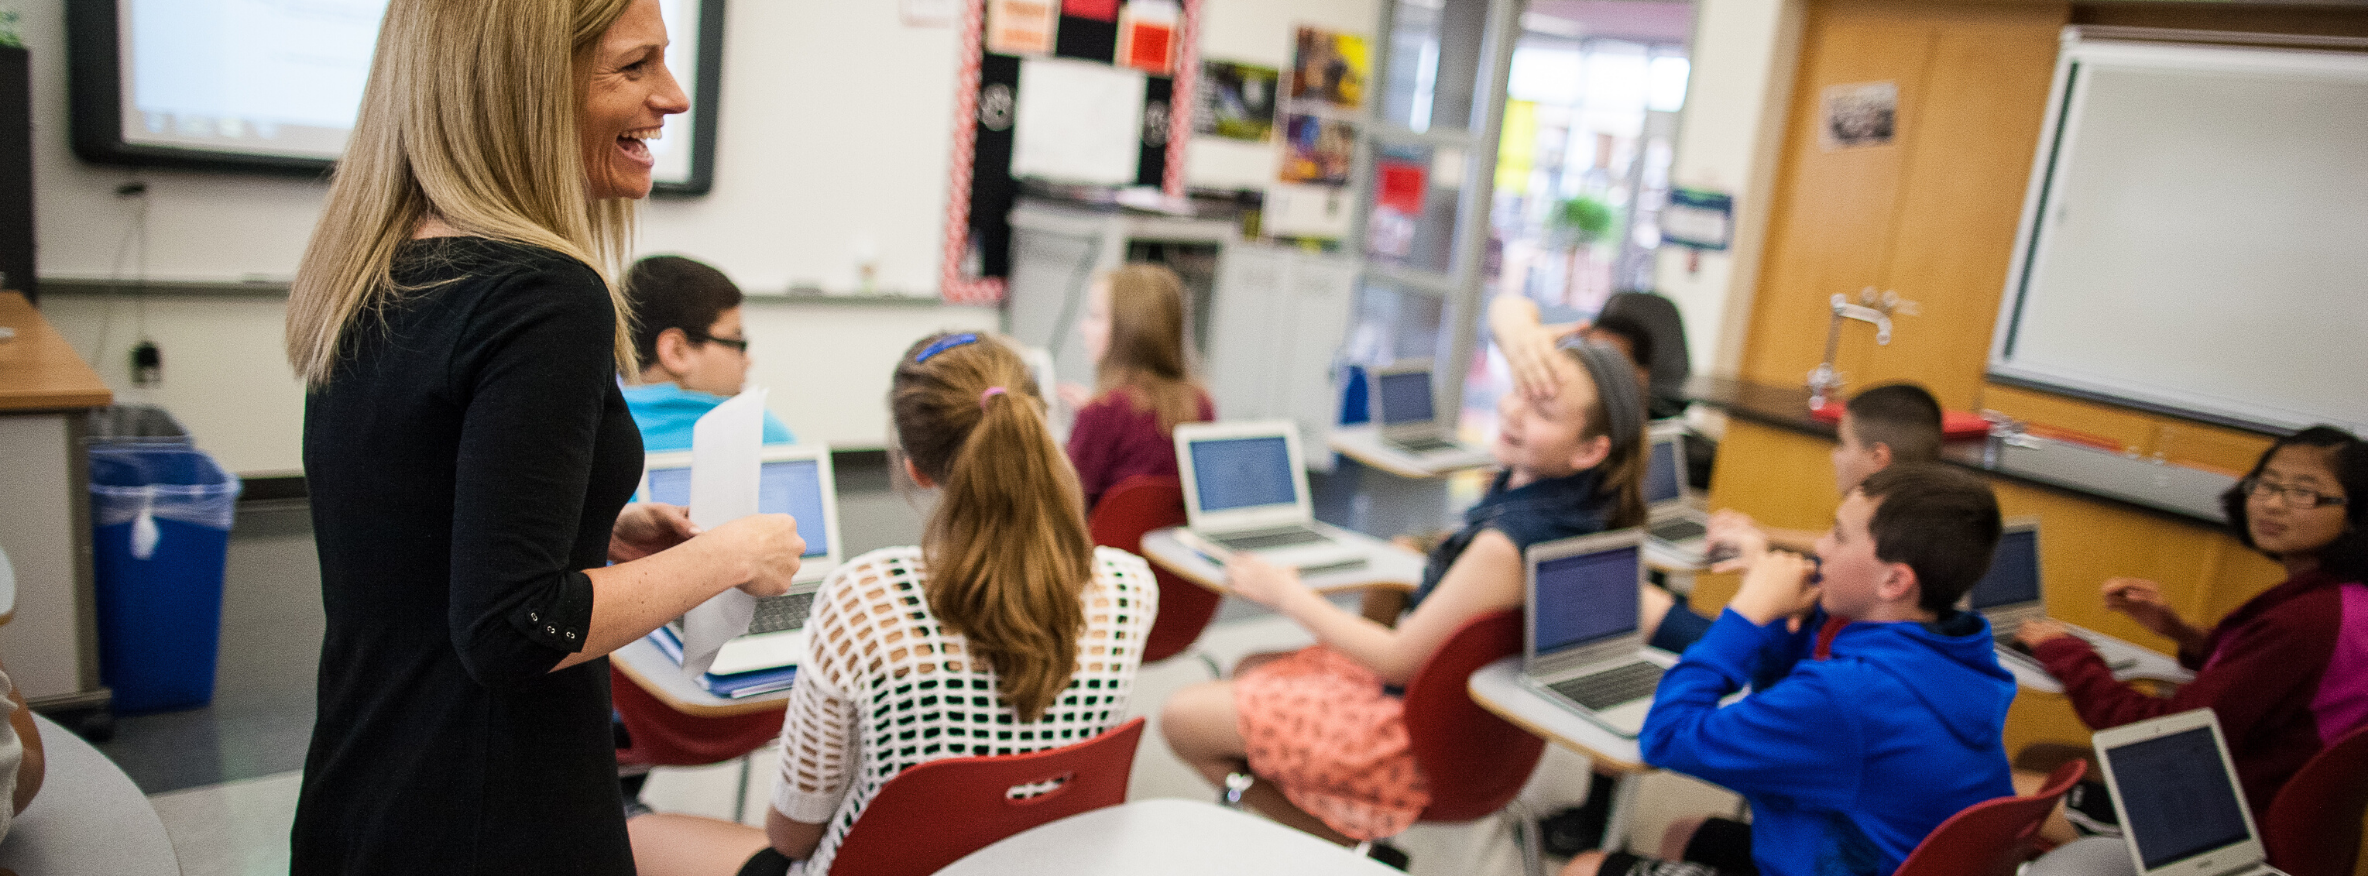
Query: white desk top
point(88, 818)
point(1364, 444)
point(1497, 687)
point(645, 665)
point(1387, 565)
point(1164, 836)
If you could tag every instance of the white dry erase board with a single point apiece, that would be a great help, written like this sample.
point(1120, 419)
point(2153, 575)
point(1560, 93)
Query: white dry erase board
point(2195, 238)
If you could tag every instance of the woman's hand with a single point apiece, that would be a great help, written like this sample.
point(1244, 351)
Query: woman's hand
point(1528, 346)
point(645, 528)
point(770, 546)
point(1263, 582)
point(2032, 632)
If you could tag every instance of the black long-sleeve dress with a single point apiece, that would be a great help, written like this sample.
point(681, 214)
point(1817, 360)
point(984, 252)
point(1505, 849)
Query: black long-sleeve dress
point(467, 461)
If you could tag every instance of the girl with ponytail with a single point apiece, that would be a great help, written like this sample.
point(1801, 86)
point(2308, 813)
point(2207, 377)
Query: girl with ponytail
point(1005, 631)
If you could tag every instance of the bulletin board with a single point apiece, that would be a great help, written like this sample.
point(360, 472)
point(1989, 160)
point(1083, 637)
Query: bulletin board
point(1095, 93)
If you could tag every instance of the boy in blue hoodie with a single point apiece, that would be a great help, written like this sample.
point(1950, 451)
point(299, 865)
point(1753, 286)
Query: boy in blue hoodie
point(1876, 716)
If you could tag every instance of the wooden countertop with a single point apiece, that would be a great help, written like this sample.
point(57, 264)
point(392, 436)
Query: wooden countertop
point(39, 371)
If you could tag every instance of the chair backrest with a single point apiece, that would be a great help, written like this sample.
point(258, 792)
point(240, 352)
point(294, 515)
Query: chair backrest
point(932, 814)
point(661, 736)
point(1993, 837)
point(2313, 828)
point(1474, 760)
point(1139, 505)
point(1671, 364)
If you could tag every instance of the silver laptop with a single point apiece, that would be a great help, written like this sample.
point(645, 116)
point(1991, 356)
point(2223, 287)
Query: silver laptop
point(2011, 593)
point(1678, 523)
point(793, 479)
point(1584, 646)
point(2176, 791)
point(1246, 491)
point(1406, 413)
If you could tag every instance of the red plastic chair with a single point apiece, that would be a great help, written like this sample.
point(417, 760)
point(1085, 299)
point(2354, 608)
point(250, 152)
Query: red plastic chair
point(1993, 837)
point(931, 815)
point(661, 736)
point(1475, 761)
point(1127, 511)
point(2313, 828)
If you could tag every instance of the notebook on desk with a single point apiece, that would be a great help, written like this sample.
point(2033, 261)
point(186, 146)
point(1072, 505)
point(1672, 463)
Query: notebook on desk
point(1677, 524)
point(2176, 792)
point(1245, 491)
point(1584, 647)
point(1406, 414)
point(793, 479)
point(2012, 593)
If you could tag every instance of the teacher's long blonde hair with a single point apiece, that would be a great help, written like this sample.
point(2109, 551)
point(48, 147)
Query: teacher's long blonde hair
point(469, 115)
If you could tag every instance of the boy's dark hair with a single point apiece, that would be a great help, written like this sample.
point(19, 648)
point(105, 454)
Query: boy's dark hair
point(1940, 520)
point(1901, 416)
point(1640, 339)
point(2347, 556)
point(672, 292)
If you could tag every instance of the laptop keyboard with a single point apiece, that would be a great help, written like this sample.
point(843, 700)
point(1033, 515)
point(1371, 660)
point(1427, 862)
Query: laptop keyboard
point(1611, 687)
point(784, 612)
point(1269, 539)
point(2007, 643)
point(1678, 529)
point(1423, 445)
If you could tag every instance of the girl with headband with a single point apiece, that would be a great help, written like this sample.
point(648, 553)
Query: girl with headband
point(1322, 730)
point(1005, 594)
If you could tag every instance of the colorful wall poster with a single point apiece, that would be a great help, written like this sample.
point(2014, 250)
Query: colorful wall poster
point(1021, 27)
point(1317, 150)
point(1237, 101)
point(1147, 32)
point(1330, 68)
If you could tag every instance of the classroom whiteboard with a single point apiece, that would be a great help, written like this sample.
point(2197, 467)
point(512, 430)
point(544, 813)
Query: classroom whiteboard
point(2195, 239)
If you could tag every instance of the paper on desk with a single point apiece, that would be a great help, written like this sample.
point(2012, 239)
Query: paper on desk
point(724, 473)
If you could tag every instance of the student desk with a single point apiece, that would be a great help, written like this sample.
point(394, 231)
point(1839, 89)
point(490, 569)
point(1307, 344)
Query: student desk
point(1364, 444)
point(1387, 566)
point(1497, 687)
point(46, 393)
point(645, 665)
point(1159, 837)
point(88, 819)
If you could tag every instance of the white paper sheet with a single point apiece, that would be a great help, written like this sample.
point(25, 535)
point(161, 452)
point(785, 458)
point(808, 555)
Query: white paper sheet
point(1079, 122)
point(724, 471)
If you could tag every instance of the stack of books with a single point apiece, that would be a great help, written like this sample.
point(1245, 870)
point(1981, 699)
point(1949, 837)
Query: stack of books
point(735, 686)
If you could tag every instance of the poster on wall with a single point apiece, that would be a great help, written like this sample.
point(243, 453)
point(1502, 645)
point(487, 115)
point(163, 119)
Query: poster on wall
point(1237, 101)
point(1330, 68)
point(1317, 150)
point(1021, 27)
point(1147, 36)
point(1859, 116)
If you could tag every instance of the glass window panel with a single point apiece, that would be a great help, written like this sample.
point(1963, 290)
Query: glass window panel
point(1413, 192)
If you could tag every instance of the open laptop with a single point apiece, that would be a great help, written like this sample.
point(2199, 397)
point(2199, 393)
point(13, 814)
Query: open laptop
point(793, 479)
point(2011, 593)
point(1584, 645)
point(2176, 792)
point(1246, 491)
point(1678, 524)
point(1406, 414)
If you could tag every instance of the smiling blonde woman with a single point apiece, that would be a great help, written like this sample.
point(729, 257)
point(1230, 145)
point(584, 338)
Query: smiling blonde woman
point(468, 451)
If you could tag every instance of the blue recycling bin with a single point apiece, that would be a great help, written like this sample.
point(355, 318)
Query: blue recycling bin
point(161, 516)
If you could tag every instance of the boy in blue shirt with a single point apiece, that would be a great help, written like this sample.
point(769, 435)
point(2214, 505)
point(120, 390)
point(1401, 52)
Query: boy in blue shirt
point(1886, 708)
point(694, 354)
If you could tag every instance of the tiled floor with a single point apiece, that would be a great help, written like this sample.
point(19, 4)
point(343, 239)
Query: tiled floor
point(224, 778)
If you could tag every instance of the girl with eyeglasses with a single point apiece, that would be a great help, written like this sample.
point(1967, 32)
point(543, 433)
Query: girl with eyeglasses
point(2287, 672)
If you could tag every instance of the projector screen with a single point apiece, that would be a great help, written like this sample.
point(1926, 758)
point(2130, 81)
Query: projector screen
point(2195, 240)
point(273, 85)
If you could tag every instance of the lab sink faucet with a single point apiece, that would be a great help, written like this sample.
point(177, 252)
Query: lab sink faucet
point(1872, 308)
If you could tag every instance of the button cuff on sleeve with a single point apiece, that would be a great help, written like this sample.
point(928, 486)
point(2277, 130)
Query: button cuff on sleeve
point(560, 618)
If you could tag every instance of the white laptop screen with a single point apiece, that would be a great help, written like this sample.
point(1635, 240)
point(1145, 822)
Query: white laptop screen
point(1233, 473)
point(789, 486)
point(2013, 578)
point(2180, 797)
point(1664, 478)
point(1405, 398)
point(1585, 599)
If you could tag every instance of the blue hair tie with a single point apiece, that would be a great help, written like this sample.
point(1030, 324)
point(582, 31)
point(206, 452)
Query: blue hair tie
point(943, 344)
